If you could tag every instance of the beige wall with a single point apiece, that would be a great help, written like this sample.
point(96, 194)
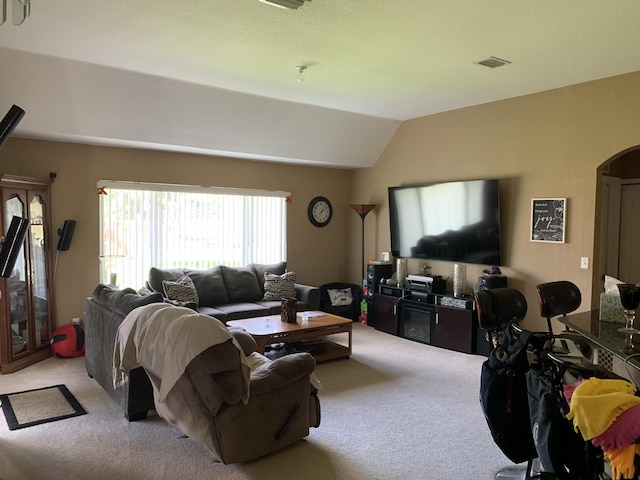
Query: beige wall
point(547, 144)
point(318, 255)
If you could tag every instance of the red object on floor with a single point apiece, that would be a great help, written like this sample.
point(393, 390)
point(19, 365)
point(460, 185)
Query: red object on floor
point(68, 341)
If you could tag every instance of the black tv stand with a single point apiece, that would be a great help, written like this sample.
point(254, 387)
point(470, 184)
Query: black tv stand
point(441, 320)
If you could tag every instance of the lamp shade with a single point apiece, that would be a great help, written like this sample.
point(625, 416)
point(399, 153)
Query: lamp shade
point(363, 209)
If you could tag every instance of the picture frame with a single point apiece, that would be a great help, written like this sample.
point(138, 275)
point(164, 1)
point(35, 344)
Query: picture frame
point(548, 220)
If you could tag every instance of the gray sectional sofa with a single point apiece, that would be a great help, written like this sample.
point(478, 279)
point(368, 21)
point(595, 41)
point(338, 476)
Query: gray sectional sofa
point(233, 293)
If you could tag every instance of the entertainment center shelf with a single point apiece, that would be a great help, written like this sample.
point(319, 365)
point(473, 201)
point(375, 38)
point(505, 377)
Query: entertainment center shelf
point(435, 319)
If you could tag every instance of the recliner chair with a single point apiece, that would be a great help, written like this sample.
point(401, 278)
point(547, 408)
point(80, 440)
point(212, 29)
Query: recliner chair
point(210, 383)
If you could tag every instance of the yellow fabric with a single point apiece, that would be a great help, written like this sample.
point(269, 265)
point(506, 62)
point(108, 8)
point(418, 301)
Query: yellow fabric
point(597, 402)
point(621, 461)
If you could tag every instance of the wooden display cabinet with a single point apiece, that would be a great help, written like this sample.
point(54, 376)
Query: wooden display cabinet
point(26, 305)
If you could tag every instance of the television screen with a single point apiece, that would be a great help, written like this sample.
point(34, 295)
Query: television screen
point(12, 244)
point(453, 221)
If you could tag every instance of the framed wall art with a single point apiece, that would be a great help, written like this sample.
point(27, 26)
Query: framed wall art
point(548, 219)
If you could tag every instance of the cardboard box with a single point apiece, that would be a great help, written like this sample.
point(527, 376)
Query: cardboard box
point(611, 310)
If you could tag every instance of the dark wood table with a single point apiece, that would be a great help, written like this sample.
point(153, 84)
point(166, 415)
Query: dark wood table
point(314, 330)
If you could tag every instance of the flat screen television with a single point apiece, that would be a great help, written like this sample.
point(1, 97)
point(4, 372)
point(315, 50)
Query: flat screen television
point(451, 221)
point(12, 244)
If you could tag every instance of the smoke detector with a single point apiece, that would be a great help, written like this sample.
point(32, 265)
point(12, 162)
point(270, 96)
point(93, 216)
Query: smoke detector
point(493, 62)
point(287, 4)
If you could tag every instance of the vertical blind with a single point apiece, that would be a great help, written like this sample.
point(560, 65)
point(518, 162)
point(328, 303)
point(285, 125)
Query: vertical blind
point(171, 226)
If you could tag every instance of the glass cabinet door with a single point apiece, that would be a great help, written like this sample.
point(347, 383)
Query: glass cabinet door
point(17, 287)
point(39, 287)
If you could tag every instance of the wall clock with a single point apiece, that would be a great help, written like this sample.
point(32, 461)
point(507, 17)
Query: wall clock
point(320, 211)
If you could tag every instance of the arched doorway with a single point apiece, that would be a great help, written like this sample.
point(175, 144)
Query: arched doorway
point(617, 226)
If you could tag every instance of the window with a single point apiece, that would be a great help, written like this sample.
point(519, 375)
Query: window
point(171, 226)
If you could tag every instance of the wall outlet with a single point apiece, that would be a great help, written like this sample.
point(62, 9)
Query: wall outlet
point(584, 263)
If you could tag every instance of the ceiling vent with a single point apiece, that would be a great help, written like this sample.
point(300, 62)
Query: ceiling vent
point(493, 62)
point(288, 4)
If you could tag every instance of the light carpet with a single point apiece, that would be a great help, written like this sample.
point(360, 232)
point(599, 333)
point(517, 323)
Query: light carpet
point(396, 410)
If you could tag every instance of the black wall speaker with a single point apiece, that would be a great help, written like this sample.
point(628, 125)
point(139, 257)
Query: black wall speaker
point(66, 234)
point(489, 282)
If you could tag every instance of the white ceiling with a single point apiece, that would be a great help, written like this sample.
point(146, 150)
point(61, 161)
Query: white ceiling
point(219, 76)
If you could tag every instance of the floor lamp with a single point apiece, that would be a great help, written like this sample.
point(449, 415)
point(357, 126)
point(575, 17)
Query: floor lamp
point(362, 210)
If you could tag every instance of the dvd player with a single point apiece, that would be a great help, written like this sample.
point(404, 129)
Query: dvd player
point(422, 283)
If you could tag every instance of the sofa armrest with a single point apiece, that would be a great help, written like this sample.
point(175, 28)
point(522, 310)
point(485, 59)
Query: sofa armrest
point(309, 295)
point(281, 372)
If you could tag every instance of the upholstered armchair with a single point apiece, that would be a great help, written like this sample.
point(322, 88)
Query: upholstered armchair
point(210, 383)
point(342, 299)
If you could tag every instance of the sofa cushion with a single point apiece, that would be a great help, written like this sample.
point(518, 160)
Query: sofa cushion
point(238, 311)
point(260, 269)
point(279, 286)
point(213, 312)
point(182, 290)
point(241, 284)
point(157, 275)
point(210, 286)
point(275, 307)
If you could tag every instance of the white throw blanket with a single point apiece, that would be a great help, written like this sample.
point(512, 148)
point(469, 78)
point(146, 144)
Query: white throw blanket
point(164, 339)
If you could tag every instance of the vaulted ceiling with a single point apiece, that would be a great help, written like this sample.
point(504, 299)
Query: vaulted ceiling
point(220, 76)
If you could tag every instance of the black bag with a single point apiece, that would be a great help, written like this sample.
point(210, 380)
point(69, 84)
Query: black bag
point(560, 448)
point(504, 399)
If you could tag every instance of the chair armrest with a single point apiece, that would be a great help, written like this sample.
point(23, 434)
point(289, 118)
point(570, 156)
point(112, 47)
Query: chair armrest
point(246, 341)
point(309, 295)
point(281, 372)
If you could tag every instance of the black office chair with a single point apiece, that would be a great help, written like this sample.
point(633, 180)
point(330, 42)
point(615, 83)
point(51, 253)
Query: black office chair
point(557, 298)
point(497, 308)
point(560, 298)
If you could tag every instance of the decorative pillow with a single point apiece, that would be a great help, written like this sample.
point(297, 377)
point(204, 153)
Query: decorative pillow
point(260, 269)
point(278, 286)
point(182, 290)
point(144, 291)
point(340, 296)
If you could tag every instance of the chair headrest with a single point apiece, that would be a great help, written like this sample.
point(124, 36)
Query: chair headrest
point(498, 307)
point(558, 298)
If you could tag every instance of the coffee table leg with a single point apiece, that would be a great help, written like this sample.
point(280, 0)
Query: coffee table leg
point(261, 345)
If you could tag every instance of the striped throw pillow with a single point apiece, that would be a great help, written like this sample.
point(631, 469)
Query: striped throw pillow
point(182, 290)
point(278, 286)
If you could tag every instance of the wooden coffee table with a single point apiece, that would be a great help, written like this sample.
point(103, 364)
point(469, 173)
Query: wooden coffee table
point(270, 329)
